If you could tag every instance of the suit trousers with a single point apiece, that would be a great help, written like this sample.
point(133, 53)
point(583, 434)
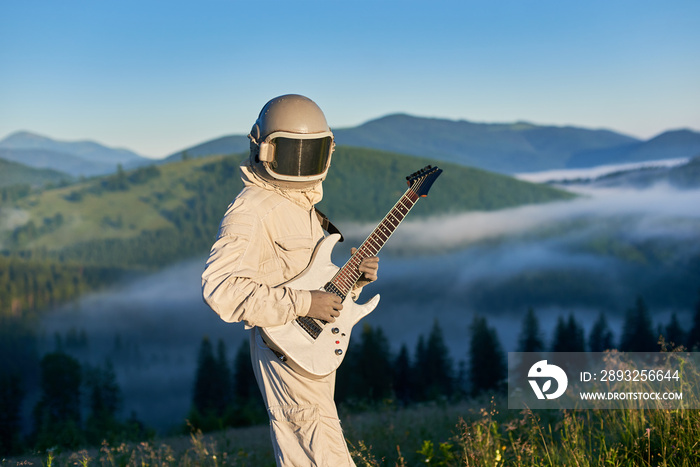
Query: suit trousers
point(304, 423)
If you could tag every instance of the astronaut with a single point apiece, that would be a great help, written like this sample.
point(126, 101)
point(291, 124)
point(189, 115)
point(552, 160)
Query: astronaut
point(266, 238)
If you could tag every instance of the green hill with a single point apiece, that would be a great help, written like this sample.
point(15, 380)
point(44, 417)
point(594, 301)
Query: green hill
point(14, 173)
point(154, 215)
point(363, 184)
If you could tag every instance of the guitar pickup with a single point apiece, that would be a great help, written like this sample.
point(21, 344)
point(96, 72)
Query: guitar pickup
point(309, 325)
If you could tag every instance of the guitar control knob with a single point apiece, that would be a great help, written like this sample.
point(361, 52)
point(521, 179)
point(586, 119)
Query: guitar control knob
point(339, 351)
point(335, 330)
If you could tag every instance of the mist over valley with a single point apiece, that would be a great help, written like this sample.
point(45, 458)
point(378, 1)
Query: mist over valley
point(596, 253)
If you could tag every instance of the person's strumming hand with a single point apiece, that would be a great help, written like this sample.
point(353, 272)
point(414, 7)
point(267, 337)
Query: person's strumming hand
point(325, 306)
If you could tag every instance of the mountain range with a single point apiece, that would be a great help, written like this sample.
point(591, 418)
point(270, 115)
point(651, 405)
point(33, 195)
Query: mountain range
point(507, 148)
point(499, 147)
point(75, 158)
point(669, 145)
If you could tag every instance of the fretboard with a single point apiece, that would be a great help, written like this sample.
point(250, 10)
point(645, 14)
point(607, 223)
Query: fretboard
point(347, 276)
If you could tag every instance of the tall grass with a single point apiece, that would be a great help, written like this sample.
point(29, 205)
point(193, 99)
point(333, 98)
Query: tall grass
point(486, 433)
point(493, 436)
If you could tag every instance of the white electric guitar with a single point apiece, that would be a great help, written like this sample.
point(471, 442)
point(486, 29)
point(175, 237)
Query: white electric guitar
point(313, 347)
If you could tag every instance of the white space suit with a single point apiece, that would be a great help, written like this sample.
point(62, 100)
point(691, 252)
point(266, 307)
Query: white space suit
point(266, 238)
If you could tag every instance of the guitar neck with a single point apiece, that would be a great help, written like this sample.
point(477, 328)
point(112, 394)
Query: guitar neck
point(347, 276)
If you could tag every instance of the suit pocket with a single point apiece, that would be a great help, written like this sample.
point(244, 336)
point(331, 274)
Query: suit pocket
point(297, 434)
point(294, 254)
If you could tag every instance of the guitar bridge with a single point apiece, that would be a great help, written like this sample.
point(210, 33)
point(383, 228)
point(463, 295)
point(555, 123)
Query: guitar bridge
point(309, 325)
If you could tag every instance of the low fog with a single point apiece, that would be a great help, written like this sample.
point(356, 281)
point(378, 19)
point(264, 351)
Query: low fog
point(585, 256)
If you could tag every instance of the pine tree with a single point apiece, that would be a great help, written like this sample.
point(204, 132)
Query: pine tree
point(244, 384)
point(19, 371)
point(247, 407)
point(577, 335)
point(105, 399)
point(600, 338)
point(438, 371)
point(420, 362)
point(105, 394)
point(530, 339)
point(568, 336)
point(487, 361)
point(57, 414)
point(205, 399)
point(224, 394)
point(11, 396)
point(403, 376)
point(637, 333)
point(367, 373)
point(559, 338)
point(215, 397)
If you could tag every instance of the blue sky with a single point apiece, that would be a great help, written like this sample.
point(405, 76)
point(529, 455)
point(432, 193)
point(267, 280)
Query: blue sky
point(158, 76)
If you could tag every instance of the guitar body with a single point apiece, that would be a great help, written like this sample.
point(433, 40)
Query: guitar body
point(320, 356)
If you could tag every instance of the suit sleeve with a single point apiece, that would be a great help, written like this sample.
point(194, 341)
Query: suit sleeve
point(232, 283)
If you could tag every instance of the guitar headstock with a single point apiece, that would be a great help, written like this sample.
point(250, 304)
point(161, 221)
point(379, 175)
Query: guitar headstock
point(421, 181)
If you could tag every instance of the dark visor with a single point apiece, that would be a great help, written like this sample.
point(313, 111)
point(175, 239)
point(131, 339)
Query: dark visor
point(301, 157)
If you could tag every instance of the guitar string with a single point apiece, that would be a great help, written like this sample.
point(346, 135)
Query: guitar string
point(360, 253)
point(374, 243)
point(356, 259)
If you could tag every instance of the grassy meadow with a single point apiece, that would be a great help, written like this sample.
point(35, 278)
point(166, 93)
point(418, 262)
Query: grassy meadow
point(473, 433)
point(480, 431)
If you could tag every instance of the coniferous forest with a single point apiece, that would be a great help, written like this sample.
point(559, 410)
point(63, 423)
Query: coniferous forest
point(80, 405)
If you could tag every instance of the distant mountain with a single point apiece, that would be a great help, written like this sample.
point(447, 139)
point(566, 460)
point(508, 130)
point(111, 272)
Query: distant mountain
point(233, 144)
point(668, 145)
point(52, 160)
point(498, 147)
point(505, 148)
point(14, 173)
point(75, 158)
